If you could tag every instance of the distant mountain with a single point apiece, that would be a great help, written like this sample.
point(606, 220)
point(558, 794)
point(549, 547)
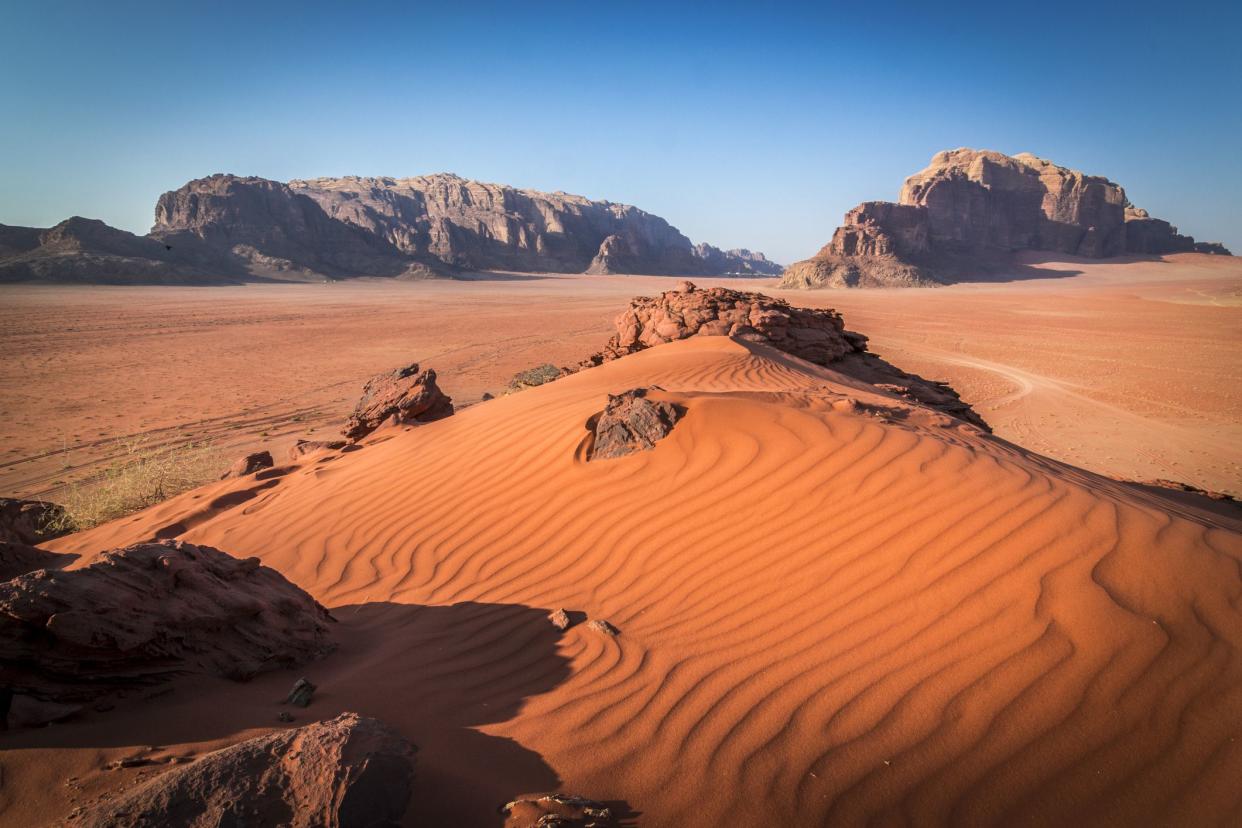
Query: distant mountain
point(228, 228)
point(963, 216)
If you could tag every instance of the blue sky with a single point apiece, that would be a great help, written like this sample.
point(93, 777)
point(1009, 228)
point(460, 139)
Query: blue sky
point(744, 124)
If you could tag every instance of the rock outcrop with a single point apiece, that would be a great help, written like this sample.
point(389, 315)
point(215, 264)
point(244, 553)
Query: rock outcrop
point(251, 463)
point(30, 521)
point(406, 395)
point(817, 335)
point(479, 226)
point(631, 422)
point(964, 215)
point(228, 228)
point(81, 250)
point(271, 230)
point(557, 811)
point(348, 772)
point(143, 614)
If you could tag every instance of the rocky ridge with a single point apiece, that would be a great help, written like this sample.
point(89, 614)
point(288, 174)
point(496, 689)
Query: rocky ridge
point(965, 214)
point(229, 228)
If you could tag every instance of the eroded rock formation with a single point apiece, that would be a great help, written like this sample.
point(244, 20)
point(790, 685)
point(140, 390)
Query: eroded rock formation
point(631, 422)
point(348, 772)
point(406, 395)
point(145, 613)
point(962, 217)
point(817, 335)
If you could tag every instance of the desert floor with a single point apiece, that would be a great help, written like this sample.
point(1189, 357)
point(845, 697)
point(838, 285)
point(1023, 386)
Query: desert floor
point(834, 607)
point(1130, 369)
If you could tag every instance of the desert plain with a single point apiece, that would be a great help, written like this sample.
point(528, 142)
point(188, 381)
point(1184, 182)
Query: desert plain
point(1127, 368)
point(833, 607)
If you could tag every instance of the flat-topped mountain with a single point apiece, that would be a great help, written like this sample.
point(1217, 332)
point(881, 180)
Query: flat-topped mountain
point(228, 228)
point(962, 216)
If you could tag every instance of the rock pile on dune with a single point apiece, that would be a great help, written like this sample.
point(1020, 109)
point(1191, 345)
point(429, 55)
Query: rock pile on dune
point(963, 215)
point(406, 395)
point(349, 772)
point(817, 335)
point(147, 612)
point(632, 422)
point(557, 811)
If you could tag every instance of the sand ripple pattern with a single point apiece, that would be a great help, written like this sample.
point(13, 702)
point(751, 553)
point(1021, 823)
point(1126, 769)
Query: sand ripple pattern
point(830, 613)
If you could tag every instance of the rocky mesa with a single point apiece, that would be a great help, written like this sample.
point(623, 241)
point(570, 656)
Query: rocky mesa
point(228, 228)
point(963, 217)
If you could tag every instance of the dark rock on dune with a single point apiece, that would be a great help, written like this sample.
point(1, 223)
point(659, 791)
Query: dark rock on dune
point(557, 811)
point(817, 335)
point(249, 464)
point(631, 422)
point(532, 377)
point(347, 772)
point(30, 521)
point(406, 395)
point(143, 614)
point(301, 694)
point(969, 210)
point(304, 447)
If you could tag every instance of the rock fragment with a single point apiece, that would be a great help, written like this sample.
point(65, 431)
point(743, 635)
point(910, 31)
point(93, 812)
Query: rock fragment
point(631, 422)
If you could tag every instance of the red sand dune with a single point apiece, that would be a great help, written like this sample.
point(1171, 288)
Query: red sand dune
point(833, 607)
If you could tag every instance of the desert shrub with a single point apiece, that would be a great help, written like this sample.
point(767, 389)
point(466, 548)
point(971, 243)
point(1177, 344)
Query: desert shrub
point(139, 475)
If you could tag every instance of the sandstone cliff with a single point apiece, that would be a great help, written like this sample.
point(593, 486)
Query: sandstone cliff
point(87, 250)
point(478, 226)
point(227, 228)
point(962, 216)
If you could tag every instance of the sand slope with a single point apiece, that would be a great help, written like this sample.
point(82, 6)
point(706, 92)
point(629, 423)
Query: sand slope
point(834, 608)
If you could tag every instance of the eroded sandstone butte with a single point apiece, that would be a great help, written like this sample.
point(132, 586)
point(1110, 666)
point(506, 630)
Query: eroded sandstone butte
point(965, 214)
point(228, 228)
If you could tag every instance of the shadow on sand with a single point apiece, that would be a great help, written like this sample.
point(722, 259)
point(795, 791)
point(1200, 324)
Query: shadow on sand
point(434, 673)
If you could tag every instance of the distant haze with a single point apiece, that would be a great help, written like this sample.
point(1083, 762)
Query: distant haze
point(743, 125)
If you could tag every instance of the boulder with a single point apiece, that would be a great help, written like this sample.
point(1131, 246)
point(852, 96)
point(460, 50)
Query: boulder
point(965, 214)
point(557, 811)
point(406, 395)
point(251, 463)
point(560, 619)
point(599, 625)
point(304, 447)
point(532, 377)
point(631, 422)
point(143, 614)
point(30, 521)
point(347, 772)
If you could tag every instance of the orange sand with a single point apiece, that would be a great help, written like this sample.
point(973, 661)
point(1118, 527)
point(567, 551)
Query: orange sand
point(1131, 369)
point(830, 612)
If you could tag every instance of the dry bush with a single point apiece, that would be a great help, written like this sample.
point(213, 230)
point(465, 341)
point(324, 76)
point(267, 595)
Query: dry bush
point(140, 475)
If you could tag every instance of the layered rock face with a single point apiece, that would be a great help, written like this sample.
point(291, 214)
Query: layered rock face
point(228, 228)
point(348, 772)
point(274, 231)
point(148, 612)
point(962, 216)
point(478, 226)
point(817, 335)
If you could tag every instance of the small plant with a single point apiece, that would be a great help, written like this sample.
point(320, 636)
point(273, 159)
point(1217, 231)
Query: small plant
point(140, 475)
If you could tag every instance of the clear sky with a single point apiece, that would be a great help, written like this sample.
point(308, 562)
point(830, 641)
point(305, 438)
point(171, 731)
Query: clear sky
point(743, 124)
